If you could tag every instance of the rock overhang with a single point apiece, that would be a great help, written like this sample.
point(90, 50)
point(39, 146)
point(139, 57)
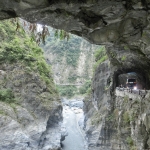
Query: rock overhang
point(117, 23)
point(98, 21)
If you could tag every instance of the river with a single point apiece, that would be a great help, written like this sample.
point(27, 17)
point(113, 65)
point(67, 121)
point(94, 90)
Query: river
point(75, 139)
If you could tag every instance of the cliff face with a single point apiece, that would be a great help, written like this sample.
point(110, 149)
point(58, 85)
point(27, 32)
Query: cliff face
point(96, 109)
point(33, 115)
point(124, 27)
point(69, 59)
point(124, 128)
point(118, 121)
point(30, 109)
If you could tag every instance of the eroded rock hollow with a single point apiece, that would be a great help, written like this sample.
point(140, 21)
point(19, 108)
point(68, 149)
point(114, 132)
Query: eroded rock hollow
point(124, 27)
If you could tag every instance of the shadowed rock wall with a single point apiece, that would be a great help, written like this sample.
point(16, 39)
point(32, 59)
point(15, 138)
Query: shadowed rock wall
point(123, 26)
point(97, 20)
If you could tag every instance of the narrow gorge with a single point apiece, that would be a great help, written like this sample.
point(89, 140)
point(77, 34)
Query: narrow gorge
point(68, 59)
point(31, 109)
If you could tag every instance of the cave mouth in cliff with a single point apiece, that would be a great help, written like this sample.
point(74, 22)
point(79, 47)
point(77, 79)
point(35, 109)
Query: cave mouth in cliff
point(140, 79)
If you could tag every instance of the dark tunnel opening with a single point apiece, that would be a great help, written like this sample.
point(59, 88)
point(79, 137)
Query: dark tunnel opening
point(121, 79)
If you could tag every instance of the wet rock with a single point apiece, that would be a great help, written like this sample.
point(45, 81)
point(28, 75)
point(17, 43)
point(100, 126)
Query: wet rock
point(81, 122)
point(73, 103)
point(76, 103)
point(64, 133)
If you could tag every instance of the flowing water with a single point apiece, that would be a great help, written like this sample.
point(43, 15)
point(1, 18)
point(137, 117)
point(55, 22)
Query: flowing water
point(75, 139)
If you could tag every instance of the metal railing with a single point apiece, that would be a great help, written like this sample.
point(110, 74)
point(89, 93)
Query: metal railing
point(137, 92)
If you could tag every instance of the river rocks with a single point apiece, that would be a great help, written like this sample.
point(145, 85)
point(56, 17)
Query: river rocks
point(74, 122)
point(76, 105)
point(73, 103)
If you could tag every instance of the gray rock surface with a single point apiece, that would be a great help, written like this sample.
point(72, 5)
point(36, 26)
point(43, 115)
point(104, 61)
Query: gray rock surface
point(98, 21)
point(96, 109)
point(112, 120)
point(73, 103)
point(123, 26)
point(33, 121)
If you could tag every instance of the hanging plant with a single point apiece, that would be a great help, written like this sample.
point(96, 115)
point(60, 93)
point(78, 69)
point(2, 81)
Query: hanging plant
point(38, 36)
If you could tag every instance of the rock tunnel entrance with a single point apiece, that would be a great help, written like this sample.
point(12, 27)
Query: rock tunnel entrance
point(121, 78)
point(121, 23)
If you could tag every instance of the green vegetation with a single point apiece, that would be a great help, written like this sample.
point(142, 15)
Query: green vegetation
point(106, 88)
point(126, 99)
point(71, 90)
point(17, 46)
point(67, 55)
point(61, 34)
point(123, 58)
point(99, 53)
point(113, 54)
point(71, 49)
point(126, 118)
point(126, 47)
point(116, 113)
point(72, 78)
point(6, 95)
point(130, 141)
point(132, 117)
point(96, 119)
point(85, 88)
point(100, 56)
point(110, 117)
point(67, 91)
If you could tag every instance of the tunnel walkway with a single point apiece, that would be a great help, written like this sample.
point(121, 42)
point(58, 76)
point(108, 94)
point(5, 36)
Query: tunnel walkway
point(132, 94)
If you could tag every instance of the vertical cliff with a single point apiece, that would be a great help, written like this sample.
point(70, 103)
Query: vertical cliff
point(114, 120)
point(30, 109)
point(123, 26)
point(96, 108)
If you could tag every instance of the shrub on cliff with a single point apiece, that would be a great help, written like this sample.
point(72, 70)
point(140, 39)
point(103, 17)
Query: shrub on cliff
point(67, 91)
point(86, 87)
point(6, 95)
point(100, 56)
point(62, 48)
point(18, 46)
